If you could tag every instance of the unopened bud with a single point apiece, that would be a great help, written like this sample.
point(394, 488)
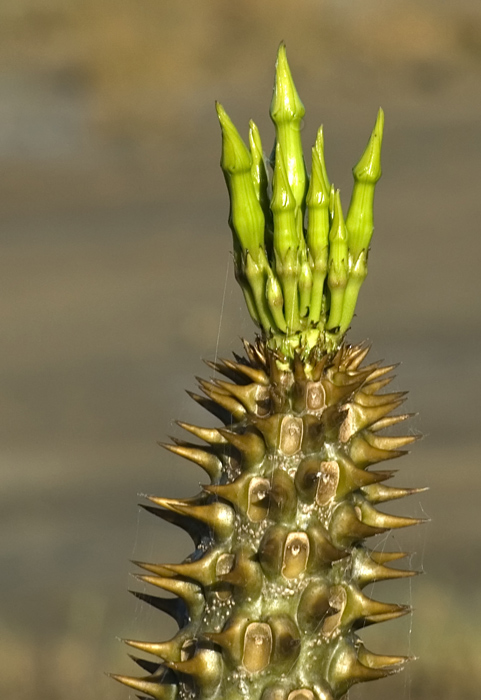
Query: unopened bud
point(287, 112)
point(246, 217)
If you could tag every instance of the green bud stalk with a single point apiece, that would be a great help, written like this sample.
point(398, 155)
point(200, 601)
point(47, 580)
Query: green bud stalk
point(319, 146)
point(317, 232)
point(338, 264)
point(259, 175)
point(246, 217)
point(286, 241)
point(299, 264)
point(275, 301)
point(287, 112)
point(359, 220)
point(256, 271)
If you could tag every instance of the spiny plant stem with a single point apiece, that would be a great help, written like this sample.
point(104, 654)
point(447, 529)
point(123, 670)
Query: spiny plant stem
point(270, 602)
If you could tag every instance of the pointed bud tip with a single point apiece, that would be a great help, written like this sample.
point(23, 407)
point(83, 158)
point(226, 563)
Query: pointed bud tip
point(318, 193)
point(255, 142)
point(253, 128)
point(221, 113)
point(368, 168)
point(235, 155)
point(286, 104)
point(338, 226)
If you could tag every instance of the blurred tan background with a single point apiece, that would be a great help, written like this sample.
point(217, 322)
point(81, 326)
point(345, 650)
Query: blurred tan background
point(115, 281)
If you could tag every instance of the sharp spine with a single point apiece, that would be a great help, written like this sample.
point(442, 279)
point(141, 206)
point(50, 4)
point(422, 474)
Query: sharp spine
point(150, 685)
point(209, 435)
point(209, 462)
point(174, 607)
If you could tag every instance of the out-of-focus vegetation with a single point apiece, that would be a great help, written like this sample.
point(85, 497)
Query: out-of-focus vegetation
point(111, 199)
point(143, 65)
point(120, 81)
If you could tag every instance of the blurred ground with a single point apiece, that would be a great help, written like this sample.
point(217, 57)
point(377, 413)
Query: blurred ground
point(115, 281)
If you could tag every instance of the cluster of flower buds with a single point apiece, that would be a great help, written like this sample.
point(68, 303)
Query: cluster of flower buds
point(299, 262)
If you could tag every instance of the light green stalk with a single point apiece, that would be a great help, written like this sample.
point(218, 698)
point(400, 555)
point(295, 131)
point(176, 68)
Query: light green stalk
point(260, 177)
point(286, 240)
point(257, 271)
point(275, 301)
point(319, 146)
point(317, 233)
point(338, 268)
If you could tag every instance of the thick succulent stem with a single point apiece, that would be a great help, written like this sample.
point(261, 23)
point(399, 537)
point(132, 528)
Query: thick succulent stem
point(270, 602)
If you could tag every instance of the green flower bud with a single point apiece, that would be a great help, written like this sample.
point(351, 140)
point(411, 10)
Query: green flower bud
point(246, 218)
point(258, 169)
point(260, 179)
point(359, 220)
point(338, 264)
point(332, 197)
point(317, 234)
point(300, 279)
point(319, 146)
point(283, 206)
point(287, 112)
